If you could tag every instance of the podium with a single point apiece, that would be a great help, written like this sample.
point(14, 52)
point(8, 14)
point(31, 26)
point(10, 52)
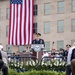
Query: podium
point(37, 50)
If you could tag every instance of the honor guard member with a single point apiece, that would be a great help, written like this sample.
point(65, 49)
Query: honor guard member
point(70, 62)
point(65, 54)
point(38, 40)
point(71, 58)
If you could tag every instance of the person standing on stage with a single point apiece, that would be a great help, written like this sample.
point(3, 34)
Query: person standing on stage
point(38, 40)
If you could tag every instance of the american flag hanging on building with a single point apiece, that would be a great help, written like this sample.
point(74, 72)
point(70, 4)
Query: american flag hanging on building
point(21, 22)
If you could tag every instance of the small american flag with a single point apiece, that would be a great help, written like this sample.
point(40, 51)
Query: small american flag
point(21, 22)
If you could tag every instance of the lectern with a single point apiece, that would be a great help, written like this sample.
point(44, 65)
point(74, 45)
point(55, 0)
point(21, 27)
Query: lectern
point(38, 50)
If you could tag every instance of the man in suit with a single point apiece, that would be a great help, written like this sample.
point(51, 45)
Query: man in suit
point(38, 40)
point(3, 61)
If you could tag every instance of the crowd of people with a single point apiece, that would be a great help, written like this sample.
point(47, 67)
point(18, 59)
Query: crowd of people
point(67, 54)
point(55, 54)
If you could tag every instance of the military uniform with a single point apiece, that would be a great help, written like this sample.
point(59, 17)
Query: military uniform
point(38, 41)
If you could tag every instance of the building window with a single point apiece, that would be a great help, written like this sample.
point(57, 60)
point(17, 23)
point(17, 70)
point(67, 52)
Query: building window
point(7, 13)
point(60, 26)
point(73, 24)
point(73, 5)
point(60, 7)
point(35, 28)
point(47, 45)
point(7, 31)
point(35, 10)
point(21, 48)
point(72, 41)
point(47, 8)
point(60, 44)
point(47, 27)
point(9, 49)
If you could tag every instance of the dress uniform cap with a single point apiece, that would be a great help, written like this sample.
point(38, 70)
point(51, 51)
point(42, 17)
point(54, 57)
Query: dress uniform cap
point(68, 45)
point(38, 34)
point(31, 50)
point(56, 52)
point(49, 52)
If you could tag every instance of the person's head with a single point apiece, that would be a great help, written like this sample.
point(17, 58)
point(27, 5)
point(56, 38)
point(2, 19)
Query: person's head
point(38, 35)
point(53, 50)
point(56, 53)
point(44, 51)
point(61, 50)
point(17, 52)
point(13, 53)
point(68, 46)
point(31, 51)
point(49, 53)
point(24, 52)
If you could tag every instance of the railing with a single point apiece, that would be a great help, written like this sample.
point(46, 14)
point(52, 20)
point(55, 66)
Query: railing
point(22, 63)
point(29, 63)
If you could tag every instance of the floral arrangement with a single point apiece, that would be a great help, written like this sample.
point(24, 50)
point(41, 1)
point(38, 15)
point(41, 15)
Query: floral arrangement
point(46, 64)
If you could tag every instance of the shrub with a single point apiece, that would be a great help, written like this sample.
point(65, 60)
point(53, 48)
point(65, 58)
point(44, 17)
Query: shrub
point(34, 72)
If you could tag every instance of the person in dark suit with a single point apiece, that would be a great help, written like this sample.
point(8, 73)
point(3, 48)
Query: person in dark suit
point(38, 40)
point(3, 61)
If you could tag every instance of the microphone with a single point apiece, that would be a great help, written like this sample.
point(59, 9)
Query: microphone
point(52, 44)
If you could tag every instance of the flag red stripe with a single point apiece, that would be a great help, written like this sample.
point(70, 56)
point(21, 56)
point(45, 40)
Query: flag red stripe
point(13, 12)
point(29, 23)
point(25, 23)
point(27, 4)
point(20, 24)
point(16, 23)
point(32, 17)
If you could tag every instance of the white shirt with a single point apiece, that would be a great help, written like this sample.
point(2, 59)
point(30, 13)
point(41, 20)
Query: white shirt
point(69, 55)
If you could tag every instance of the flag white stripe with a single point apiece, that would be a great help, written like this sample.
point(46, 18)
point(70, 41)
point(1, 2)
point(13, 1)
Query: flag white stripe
point(11, 33)
point(18, 29)
point(30, 21)
point(15, 26)
point(22, 32)
point(27, 15)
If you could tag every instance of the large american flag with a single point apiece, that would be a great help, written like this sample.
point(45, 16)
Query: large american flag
point(21, 22)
